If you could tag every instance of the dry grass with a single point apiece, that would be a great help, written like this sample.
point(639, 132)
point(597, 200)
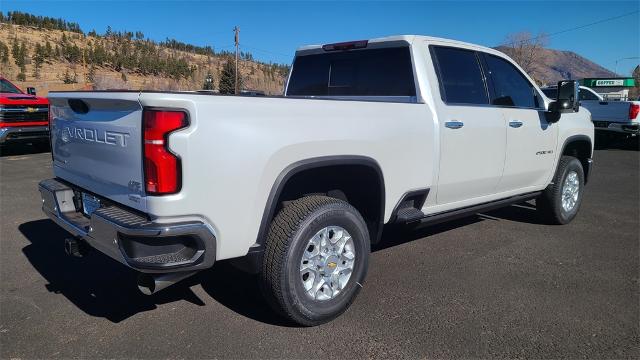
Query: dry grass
point(51, 73)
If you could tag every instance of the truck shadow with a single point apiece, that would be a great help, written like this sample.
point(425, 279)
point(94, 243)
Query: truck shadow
point(607, 143)
point(102, 287)
point(96, 284)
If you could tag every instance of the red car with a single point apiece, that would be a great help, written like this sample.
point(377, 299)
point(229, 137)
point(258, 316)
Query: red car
point(24, 117)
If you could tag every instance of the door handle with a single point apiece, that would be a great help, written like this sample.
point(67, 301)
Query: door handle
point(515, 124)
point(454, 124)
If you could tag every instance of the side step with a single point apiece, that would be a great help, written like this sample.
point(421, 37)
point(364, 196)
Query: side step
point(408, 215)
point(408, 212)
point(472, 210)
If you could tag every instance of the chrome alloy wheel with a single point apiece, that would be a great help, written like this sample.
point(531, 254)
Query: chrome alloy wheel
point(570, 191)
point(327, 263)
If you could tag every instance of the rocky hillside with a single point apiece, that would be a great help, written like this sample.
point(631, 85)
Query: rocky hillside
point(555, 65)
point(52, 54)
point(56, 59)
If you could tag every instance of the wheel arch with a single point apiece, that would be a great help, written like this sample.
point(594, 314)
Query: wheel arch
point(580, 147)
point(297, 173)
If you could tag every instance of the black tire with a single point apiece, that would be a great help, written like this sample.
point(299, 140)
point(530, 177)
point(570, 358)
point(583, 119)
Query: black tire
point(549, 204)
point(288, 238)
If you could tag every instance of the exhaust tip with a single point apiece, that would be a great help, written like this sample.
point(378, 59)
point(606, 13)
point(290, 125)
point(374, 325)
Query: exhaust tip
point(149, 284)
point(146, 284)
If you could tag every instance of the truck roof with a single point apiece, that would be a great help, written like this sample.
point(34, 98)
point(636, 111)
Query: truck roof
point(308, 49)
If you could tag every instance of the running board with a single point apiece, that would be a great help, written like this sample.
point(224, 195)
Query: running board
point(472, 210)
point(408, 215)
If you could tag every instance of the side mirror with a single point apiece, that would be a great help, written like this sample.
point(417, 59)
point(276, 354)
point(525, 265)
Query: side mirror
point(31, 91)
point(567, 100)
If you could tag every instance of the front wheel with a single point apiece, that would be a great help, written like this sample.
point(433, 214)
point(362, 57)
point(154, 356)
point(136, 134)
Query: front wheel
point(315, 260)
point(560, 201)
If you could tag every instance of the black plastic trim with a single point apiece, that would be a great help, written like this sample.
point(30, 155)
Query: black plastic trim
point(412, 193)
point(573, 138)
point(474, 209)
point(302, 165)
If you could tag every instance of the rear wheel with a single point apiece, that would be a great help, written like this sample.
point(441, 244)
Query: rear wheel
point(316, 258)
point(560, 201)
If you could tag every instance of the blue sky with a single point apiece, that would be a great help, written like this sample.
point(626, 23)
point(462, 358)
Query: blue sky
point(272, 30)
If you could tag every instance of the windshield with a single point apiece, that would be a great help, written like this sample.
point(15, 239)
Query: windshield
point(7, 87)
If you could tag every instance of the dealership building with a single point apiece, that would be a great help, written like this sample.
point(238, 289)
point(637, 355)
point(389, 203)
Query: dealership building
point(610, 88)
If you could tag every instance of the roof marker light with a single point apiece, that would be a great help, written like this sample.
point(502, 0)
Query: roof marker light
point(349, 45)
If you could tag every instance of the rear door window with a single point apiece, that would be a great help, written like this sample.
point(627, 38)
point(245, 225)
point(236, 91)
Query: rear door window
point(460, 76)
point(369, 72)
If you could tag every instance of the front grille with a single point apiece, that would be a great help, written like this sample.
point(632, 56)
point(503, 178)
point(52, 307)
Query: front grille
point(24, 113)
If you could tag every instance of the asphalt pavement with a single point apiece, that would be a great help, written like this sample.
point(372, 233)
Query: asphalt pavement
point(499, 284)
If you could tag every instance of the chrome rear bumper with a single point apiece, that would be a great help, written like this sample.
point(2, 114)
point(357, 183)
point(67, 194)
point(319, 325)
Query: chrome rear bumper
point(129, 237)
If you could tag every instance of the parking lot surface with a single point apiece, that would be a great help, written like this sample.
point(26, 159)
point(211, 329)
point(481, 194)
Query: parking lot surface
point(499, 284)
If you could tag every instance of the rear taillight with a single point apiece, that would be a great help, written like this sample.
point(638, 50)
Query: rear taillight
point(162, 169)
point(634, 109)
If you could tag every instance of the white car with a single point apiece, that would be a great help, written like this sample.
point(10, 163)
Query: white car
point(401, 129)
point(611, 117)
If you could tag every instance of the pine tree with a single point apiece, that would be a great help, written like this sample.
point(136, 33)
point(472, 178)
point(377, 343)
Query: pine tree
point(228, 79)
point(48, 51)
point(91, 75)
point(4, 53)
point(38, 59)
point(15, 51)
point(68, 79)
point(19, 53)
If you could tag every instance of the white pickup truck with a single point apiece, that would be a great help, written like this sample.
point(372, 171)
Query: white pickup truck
point(613, 118)
point(395, 130)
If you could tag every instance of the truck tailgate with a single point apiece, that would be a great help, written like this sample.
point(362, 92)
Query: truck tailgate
point(611, 111)
point(97, 143)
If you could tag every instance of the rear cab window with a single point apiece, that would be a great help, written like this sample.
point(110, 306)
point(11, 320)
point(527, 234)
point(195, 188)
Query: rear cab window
point(376, 72)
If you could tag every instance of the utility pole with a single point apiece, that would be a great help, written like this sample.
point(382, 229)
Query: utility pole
point(615, 70)
point(236, 30)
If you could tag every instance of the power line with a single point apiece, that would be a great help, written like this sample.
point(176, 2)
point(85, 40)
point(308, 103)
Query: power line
point(572, 29)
